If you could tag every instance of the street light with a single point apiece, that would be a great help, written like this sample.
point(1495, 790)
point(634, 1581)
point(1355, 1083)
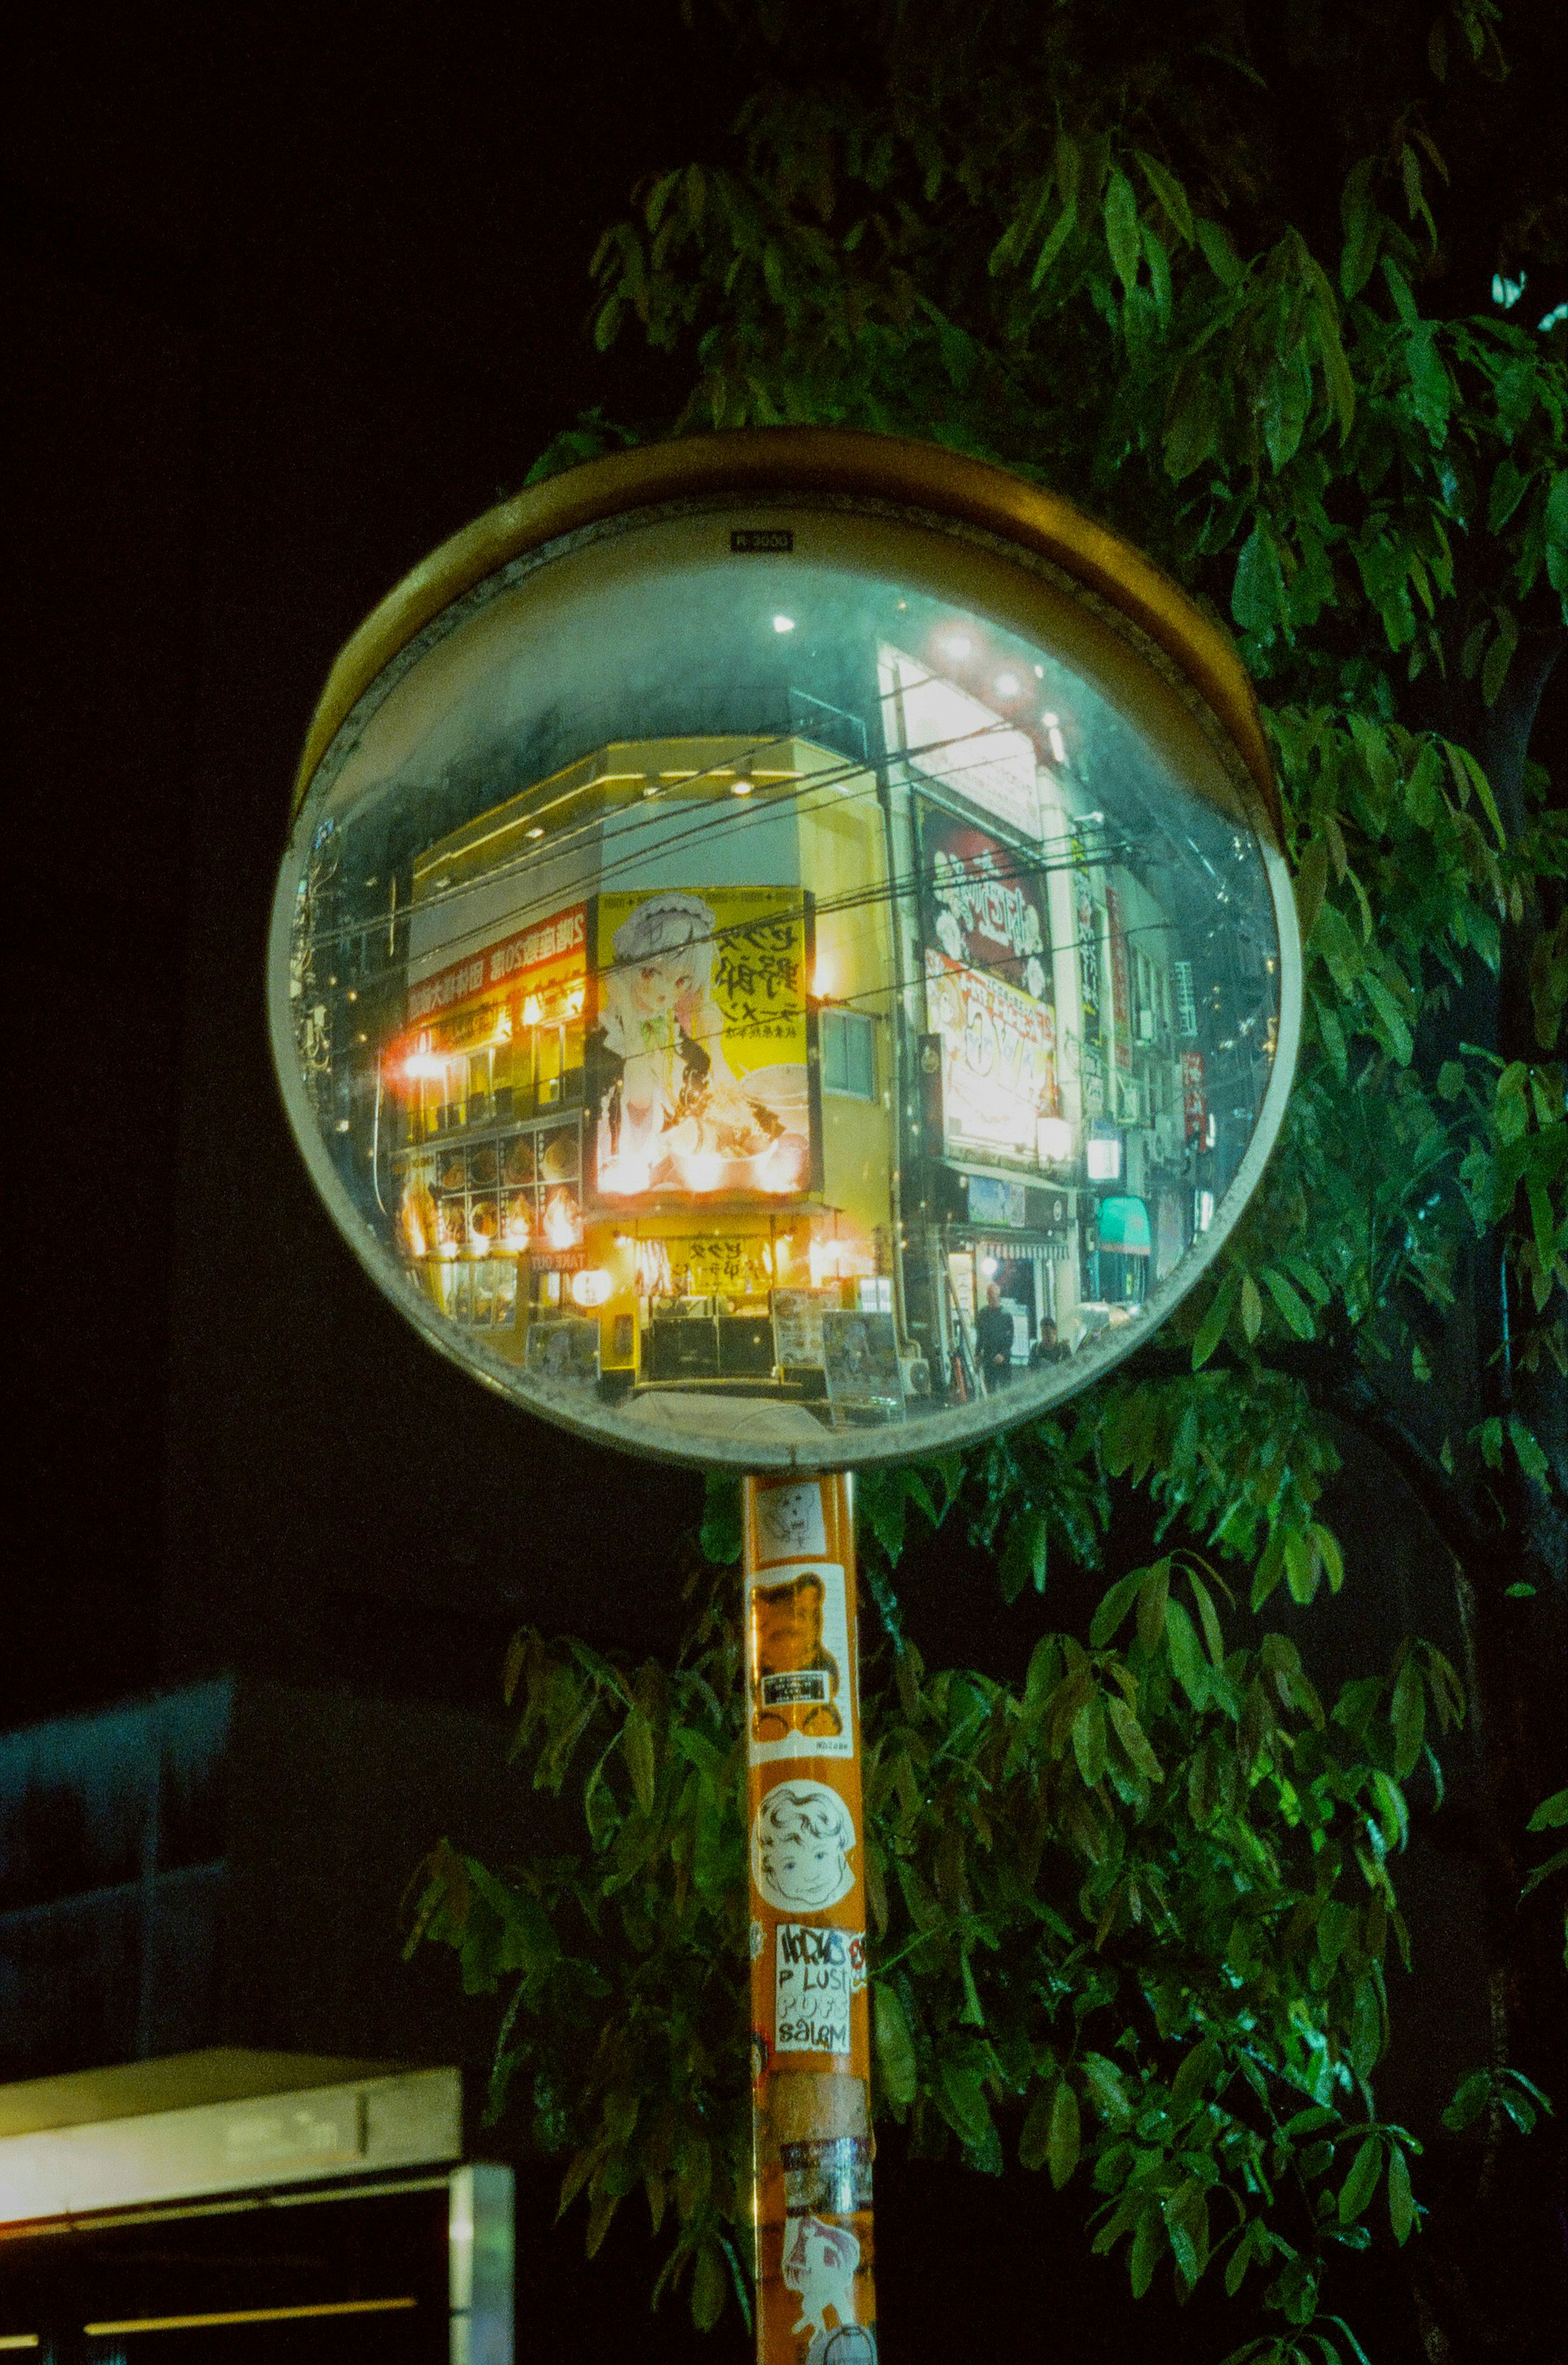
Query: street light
point(735, 958)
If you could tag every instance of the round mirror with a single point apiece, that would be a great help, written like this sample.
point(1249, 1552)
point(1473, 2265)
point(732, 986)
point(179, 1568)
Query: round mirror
point(783, 955)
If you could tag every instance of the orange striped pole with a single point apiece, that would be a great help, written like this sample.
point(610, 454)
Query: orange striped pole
point(811, 2024)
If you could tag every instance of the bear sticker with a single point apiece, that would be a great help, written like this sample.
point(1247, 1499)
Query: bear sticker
point(800, 1704)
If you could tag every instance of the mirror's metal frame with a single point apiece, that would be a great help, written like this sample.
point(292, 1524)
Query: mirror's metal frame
point(1162, 632)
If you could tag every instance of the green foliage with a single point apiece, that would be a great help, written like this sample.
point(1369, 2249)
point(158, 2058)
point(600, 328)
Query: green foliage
point(1131, 1922)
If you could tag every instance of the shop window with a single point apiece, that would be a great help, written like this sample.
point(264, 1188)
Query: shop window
point(849, 1054)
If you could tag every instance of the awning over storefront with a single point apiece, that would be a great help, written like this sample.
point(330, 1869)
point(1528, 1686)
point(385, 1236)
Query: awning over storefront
point(1033, 1247)
point(1124, 1227)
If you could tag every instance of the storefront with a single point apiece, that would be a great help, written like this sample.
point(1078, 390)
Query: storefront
point(645, 1140)
point(1118, 1250)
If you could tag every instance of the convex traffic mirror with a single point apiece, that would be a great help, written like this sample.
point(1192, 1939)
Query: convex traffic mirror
point(783, 955)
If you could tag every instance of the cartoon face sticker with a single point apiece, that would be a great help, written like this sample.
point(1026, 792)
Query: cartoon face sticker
point(802, 1837)
point(790, 1523)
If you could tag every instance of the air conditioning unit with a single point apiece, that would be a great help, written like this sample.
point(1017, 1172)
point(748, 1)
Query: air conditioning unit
point(1168, 1138)
point(1128, 1100)
point(1145, 1026)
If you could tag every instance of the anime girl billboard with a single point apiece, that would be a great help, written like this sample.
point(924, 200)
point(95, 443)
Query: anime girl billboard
point(699, 1052)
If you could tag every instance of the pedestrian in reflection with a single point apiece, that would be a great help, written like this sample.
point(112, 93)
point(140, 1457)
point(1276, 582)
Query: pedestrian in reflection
point(1048, 1348)
point(994, 1342)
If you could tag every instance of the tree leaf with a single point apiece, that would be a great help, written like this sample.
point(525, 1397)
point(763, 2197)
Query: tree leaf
point(1133, 1738)
point(1063, 2144)
point(1186, 1658)
point(637, 1741)
point(710, 2287)
point(1258, 594)
point(1121, 227)
point(1297, 1313)
point(894, 2045)
point(1211, 1329)
point(1401, 2200)
point(1551, 1814)
point(1171, 194)
point(1147, 2245)
point(1089, 1740)
point(1361, 2182)
point(1408, 1715)
point(1193, 426)
point(1114, 1608)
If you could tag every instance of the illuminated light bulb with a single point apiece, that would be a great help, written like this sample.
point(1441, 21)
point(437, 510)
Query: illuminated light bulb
point(575, 1001)
point(533, 1011)
point(652, 791)
point(988, 1266)
point(537, 831)
point(503, 1026)
point(1039, 673)
point(560, 1226)
point(956, 645)
point(590, 1287)
point(1007, 685)
point(740, 788)
point(783, 624)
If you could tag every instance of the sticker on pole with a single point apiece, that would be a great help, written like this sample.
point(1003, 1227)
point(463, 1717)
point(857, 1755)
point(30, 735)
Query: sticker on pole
point(801, 1686)
point(801, 1839)
point(790, 1523)
point(815, 1973)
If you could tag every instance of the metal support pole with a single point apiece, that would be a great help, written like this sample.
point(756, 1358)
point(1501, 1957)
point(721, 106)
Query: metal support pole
point(810, 2025)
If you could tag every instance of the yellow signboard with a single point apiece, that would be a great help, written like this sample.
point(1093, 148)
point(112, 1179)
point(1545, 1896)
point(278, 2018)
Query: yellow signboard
point(698, 1045)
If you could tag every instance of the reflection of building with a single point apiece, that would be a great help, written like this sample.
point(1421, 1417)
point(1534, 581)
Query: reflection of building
point(699, 1045)
point(645, 1132)
point(1041, 993)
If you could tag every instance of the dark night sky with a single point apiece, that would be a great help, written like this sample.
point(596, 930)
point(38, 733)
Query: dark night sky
point(299, 298)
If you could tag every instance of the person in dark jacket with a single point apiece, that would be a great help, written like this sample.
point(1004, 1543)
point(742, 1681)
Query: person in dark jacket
point(1048, 1348)
point(994, 1342)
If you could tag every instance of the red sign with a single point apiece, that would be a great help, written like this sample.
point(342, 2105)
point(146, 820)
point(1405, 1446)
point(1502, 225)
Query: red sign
point(1194, 1106)
point(983, 905)
point(515, 957)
